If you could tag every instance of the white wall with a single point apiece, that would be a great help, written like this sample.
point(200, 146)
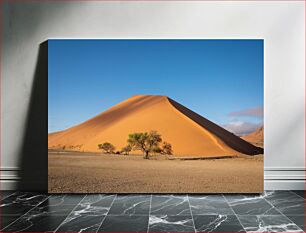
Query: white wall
point(280, 24)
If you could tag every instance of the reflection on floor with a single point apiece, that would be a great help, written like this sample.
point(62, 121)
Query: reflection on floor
point(273, 211)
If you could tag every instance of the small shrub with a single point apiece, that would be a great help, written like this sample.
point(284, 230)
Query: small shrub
point(166, 148)
point(107, 147)
point(126, 150)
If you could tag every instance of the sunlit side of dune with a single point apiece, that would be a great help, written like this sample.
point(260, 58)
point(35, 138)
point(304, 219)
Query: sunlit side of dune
point(189, 135)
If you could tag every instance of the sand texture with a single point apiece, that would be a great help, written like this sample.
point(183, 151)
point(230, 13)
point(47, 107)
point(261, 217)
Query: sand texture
point(189, 133)
point(97, 173)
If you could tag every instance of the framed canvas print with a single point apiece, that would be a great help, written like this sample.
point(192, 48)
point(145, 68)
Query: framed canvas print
point(155, 116)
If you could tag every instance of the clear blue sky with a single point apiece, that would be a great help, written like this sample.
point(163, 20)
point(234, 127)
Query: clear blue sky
point(220, 79)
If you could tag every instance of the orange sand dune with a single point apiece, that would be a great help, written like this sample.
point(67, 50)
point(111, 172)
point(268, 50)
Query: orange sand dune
point(256, 138)
point(189, 133)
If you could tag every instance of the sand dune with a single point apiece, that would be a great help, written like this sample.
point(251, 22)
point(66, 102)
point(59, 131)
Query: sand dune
point(256, 138)
point(189, 133)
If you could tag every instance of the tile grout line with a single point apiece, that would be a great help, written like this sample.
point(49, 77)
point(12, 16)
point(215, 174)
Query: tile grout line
point(297, 194)
point(69, 213)
point(25, 213)
point(191, 214)
point(107, 212)
point(283, 214)
point(234, 213)
point(149, 213)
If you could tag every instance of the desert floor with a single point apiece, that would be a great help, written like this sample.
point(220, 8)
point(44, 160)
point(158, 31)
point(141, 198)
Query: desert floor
point(73, 172)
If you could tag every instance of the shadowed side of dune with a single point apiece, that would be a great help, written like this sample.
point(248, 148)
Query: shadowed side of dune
point(227, 137)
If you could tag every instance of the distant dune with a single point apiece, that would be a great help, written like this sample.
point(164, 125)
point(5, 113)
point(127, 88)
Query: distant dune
point(189, 133)
point(256, 138)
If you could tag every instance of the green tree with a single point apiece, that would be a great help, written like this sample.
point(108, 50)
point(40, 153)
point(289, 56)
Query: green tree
point(126, 150)
point(146, 142)
point(107, 147)
point(166, 148)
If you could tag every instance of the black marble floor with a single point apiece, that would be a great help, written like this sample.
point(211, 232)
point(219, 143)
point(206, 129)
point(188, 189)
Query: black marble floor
point(273, 211)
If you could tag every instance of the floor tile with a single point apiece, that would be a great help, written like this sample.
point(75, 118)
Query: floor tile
point(209, 205)
point(266, 223)
point(7, 220)
point(95, 204)
point(250, 205)
point(166, 223)
point(81, 223)
point(57, 205)
point(45, 208)
point(130, 204)
point(65, 199)
point(35, 223)
point(217, 223)
point(273, 211)
point(47, 216)
point(286, 202)
point(301, 193)
point(124, 223)
point(170, 205)
point(5, 194)
point(21, 202)
point(299, 220)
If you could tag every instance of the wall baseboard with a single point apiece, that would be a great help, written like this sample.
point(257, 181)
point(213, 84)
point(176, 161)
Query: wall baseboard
point(284, 184)
point(284, 178)
point(276, 178)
